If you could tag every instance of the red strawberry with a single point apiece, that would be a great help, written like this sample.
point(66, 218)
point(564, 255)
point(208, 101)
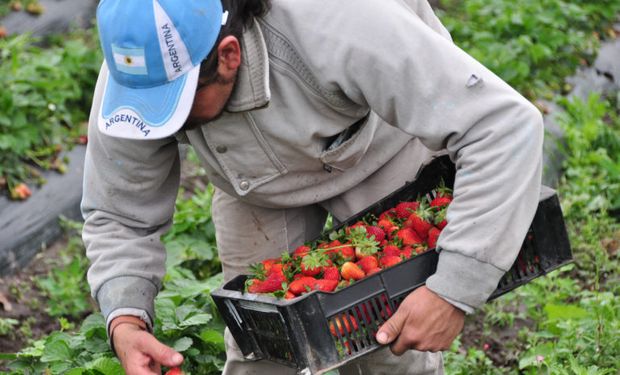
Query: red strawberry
point(272, 283)
point(389, 260)
point(174, 371)
point(388, 226)
point(440, 218)
point(433, 235)
point(302, 285)
point(253, 285)
point(356, 225)
point(440, 201)
point(388, 214)
point(331, 273)
point(325, 285)
point(351, 271)
point(312, 263)
point(404, 209)
point(341, 323)
point(407, 252)
point(289, 295)
point(301, 251)
point(367, 263)
point(346, 252)
point(420, 221)
point(391, 250)
point(373, 271)
point(408, 236)
point(372, 230)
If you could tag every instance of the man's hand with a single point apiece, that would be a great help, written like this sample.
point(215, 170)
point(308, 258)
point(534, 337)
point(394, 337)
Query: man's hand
point(424, 321)
point(140, 353)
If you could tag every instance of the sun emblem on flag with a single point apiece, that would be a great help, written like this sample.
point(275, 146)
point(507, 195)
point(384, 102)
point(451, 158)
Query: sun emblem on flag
point(128, 60)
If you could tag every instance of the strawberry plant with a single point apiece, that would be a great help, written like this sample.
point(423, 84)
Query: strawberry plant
point(532, 44)
point(43, 104)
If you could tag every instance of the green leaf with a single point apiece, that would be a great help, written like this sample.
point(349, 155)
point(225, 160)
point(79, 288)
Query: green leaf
point(564, 312)
point(182, 344)
point(56, 351)
point(107, 366)
point(196, 320)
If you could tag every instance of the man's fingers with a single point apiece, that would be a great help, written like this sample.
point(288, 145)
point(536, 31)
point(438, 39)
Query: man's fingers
point(391, 329)
point(160, 353)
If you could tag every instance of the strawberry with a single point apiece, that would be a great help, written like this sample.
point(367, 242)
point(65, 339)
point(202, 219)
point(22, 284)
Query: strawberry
point(420, 221)
point(404, 209)
point(289, 295)
point(351, 271)
point(272, 283)
point(388, 214)
point(312, 263)
point(253, 285)
point(390, 260)
point(377, 232)
point(325, 285)
point(388, 226)
point(301, 251)
point(408, 236)
point(391, 250)
point(440, 218)
point(433, 235)
point(174, 371)
point(341, 323)
point(407, 252)
point(373, 271)
point(440, 201)
point(301, 285)
point(331, 273)
point(367, 263)
point(356, 225)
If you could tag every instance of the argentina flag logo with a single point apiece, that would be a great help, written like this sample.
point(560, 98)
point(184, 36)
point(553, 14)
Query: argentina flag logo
point(130, 60)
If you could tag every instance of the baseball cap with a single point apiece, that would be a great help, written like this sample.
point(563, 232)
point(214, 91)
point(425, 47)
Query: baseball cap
point(153, 50)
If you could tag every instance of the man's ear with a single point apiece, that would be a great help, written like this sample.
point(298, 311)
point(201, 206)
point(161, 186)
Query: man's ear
point(229, 56)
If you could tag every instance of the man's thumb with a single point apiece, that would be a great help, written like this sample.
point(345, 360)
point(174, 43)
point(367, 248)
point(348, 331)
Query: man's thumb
point(391, 329)
point(164, 355)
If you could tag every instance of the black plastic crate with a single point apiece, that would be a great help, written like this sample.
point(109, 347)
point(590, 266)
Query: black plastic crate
point(296, 332)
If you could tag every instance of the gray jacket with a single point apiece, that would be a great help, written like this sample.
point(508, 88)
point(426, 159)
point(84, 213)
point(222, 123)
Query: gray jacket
point(311, 69)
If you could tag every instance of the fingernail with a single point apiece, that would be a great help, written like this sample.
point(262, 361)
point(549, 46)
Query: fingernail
point(177, 358)
point(382, 337)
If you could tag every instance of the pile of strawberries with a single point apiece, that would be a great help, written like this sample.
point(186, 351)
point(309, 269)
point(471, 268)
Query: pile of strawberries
point(356, 251)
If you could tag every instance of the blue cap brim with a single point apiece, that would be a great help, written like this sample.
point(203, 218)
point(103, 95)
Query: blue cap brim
point(147, 113)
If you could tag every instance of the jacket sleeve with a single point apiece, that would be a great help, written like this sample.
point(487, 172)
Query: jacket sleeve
point(130, 189)
point(386, 57)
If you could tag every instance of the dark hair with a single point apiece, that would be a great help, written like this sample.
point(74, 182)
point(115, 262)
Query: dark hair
point(241, 13)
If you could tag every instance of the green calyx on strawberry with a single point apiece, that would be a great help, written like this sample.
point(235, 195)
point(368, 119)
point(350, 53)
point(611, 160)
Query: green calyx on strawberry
point(420, 221)
point(443, 197)
point(312, 264)
point(363, 245)
point(440, 218)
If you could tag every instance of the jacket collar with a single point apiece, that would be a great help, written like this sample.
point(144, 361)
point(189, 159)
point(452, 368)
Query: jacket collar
point(252, 86)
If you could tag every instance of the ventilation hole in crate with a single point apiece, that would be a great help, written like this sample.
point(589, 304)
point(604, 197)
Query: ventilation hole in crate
point(270, 333)
point(354, 329)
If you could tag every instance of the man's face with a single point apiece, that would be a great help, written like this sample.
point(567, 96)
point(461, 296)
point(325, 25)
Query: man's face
point(213, 92)
point(210, 99)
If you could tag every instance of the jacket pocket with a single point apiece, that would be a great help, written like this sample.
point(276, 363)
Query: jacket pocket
point(243, 153)
point(348, 148)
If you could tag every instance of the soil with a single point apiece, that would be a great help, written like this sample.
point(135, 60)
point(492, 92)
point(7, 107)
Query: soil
point(21, 300)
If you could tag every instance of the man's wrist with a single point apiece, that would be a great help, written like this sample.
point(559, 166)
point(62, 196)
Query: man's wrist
point(125, 319)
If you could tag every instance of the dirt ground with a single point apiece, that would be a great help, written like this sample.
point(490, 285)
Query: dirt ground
point(21, 300)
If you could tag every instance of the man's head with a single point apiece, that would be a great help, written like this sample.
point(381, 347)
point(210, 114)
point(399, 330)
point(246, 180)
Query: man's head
point(154, 50)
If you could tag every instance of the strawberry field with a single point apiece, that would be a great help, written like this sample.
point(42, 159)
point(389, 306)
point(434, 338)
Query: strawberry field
point(567, 322)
